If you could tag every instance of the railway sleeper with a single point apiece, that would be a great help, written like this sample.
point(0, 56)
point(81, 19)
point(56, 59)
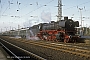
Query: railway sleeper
point(67, 51)
point(31, 54)
point(71, 52)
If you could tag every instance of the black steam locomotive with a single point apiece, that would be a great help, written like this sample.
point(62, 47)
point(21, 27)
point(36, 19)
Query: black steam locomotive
point(63, 30)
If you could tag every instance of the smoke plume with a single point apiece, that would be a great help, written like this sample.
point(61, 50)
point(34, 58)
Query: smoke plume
point(30, 23)
point(46, 16)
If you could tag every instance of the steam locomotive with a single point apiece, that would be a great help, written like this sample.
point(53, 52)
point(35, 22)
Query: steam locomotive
point(63, 30)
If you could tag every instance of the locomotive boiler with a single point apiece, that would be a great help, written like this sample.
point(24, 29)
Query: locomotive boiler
point(63, 30)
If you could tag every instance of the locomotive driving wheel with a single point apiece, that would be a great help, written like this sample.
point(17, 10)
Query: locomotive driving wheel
point(66, 38)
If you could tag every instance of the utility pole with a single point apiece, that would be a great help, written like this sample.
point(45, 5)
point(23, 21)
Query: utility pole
point(59, 10)
point(86, 29)
point(83, 23)
point(18, 29)
point(80, 9)
point(1, 30)
point(81, 15)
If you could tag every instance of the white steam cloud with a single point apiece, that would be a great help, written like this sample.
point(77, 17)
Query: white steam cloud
point(30, 23)
point(46, 16)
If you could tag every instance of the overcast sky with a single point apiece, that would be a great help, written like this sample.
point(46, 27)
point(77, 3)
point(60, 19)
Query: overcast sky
point(28, 12)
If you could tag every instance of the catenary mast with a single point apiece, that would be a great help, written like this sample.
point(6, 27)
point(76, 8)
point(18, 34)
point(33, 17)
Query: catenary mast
point(59, 17)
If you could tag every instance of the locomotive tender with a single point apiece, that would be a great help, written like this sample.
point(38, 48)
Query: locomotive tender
point(63, 30)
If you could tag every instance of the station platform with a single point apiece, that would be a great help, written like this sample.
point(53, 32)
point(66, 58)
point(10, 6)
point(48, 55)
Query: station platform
point(2, 55)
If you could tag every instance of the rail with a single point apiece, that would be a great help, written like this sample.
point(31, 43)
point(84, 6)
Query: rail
point(61, 47)
point(10, 51)
point(32, 54)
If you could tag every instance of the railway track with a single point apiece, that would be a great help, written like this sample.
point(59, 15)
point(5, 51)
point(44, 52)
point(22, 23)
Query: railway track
point(76, 50)
point(18, 53)
point(67, 48)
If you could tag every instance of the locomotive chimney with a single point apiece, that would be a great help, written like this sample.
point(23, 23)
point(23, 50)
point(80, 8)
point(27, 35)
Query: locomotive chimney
point(65, 18)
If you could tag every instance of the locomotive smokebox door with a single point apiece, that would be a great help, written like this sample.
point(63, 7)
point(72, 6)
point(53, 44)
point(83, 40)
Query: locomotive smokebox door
point(65, 18)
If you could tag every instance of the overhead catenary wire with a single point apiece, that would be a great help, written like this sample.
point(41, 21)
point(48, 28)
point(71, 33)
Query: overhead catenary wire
point(45, 5)
point(38, 8)
point(7, 7)
point(53, 0)
point(9, 2)
point(0, 8)
point(77, 5)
